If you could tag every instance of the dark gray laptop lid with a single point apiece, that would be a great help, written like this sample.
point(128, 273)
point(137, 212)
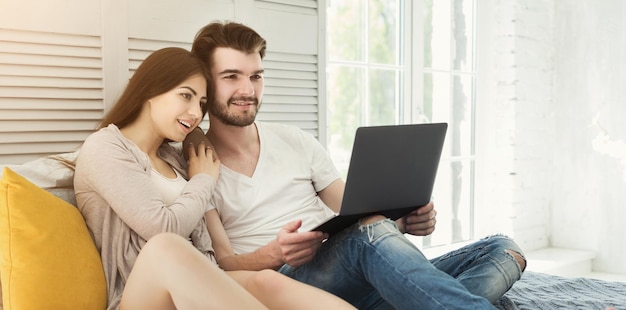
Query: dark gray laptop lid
point(392, 169)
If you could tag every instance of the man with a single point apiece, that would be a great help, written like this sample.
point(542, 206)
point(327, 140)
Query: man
point(277, 181)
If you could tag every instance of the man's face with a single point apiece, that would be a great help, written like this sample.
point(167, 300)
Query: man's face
point(238, 79)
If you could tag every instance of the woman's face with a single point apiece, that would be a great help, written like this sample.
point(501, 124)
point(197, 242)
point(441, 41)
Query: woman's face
point(177, 112)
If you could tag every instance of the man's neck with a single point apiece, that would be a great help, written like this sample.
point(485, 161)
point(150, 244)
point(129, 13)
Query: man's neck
point(238, 148)
point(229, 138)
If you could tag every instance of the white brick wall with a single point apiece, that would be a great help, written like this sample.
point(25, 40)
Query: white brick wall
point(516, 187)
point(554, 82)
point(589, 196)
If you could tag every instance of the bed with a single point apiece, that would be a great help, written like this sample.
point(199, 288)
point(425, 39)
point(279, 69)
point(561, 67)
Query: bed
point(538, 291)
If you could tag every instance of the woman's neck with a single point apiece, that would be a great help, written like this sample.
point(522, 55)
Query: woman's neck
point(145, 139)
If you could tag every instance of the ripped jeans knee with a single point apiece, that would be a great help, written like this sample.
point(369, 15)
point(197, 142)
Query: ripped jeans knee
point(370, 224)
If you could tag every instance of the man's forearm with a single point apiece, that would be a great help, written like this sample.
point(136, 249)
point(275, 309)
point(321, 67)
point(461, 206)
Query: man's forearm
point(263, 258)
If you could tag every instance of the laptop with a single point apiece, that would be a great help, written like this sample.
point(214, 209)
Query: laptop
point(392, 172)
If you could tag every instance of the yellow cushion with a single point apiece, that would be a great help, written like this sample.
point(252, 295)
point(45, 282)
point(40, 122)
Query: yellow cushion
point(47, 257)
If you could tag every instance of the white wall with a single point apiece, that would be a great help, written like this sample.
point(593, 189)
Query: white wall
point(589, 192)
point(551, 144)
point(514, 127)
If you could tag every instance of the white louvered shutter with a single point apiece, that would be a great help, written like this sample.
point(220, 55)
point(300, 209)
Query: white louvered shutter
point(51, 92)
point(62, 64)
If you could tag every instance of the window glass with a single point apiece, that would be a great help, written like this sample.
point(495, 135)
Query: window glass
point(384, 31)
point(452, 198)
point(463, 35)
point(461, 115)
point(346, 93)
point(346, 30)
point(437, 32)
point(383, 97)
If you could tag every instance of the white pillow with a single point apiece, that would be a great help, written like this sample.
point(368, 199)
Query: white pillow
point(54, 173)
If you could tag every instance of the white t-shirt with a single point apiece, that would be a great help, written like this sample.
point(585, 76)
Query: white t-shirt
point(170, 189)
point(293, 166)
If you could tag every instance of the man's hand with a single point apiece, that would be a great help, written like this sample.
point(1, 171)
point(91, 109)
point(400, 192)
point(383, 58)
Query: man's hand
point(298, 248)
point(420, 222)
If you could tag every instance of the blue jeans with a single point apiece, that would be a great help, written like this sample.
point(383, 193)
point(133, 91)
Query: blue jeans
point(374, 266)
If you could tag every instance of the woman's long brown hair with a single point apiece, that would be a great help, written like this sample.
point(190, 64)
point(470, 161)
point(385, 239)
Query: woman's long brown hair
point(159, 73)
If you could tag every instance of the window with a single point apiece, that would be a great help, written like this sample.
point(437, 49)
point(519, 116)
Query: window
point(365, 72)
point(372, 63)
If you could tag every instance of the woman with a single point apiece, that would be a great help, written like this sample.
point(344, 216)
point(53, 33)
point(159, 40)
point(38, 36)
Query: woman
point(145, 210)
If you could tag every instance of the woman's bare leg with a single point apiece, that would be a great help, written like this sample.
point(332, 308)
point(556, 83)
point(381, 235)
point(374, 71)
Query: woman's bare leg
point(277, 291)
point(171, 274)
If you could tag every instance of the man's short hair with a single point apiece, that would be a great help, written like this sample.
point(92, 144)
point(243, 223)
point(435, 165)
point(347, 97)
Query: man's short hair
point(227, 34)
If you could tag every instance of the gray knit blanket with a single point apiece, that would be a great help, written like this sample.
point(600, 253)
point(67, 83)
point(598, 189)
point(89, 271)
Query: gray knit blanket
point(538, 291)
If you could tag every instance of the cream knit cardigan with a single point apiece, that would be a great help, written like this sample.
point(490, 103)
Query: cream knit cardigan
point(123, 210)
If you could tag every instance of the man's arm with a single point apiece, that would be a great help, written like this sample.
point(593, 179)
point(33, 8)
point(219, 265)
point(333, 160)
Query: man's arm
point(289, 247)
point(263, 258)
point(333, 194)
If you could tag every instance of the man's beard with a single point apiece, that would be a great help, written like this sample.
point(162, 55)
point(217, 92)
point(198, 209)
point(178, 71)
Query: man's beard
point(220, 111)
